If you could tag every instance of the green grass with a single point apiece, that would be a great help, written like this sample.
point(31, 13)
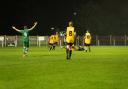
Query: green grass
point(106, 67)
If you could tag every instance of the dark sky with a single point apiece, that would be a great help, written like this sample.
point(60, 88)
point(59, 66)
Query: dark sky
point(48, 13)
point(53, 13)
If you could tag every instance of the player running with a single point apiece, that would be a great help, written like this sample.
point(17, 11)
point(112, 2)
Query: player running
point(70, 37)
point(87, 41)
point(25, 37)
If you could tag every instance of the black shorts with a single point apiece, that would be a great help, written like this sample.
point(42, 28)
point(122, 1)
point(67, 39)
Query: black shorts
point(70, 44)
point(56, 43)
point(87, 44)
point(50, 44)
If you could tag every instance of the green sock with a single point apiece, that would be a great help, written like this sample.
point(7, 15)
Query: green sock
point(24, 50)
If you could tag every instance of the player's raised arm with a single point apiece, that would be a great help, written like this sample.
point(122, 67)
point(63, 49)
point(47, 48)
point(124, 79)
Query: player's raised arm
point(15, 29)
point(33, 26)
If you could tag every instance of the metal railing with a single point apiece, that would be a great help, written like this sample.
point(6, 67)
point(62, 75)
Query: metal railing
point(97, 40)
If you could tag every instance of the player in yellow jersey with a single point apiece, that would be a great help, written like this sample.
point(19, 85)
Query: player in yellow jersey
point(56, 40)
point(51, 42)
point(87, 41)
point(70, 37)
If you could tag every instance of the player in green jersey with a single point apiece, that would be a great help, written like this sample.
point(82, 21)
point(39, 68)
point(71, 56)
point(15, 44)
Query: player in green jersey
point(25, 37)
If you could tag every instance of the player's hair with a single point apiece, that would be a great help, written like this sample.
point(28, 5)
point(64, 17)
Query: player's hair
point(70, 23)
point(25, 27)
point(87, 30)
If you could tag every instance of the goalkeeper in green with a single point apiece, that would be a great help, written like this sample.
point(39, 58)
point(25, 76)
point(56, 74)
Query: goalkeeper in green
point(25, 37)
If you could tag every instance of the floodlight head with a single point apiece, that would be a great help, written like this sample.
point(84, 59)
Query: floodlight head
point(52, 28)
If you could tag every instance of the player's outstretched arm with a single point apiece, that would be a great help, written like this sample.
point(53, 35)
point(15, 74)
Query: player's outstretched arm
point(33, 26)
point(15, 29)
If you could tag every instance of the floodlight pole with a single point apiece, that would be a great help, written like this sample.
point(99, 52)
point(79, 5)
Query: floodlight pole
point(5, 40)
point(110, 39)
point(125, 39)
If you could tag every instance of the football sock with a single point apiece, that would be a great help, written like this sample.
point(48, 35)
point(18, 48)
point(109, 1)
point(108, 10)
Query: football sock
point(70, 54)
point(50, 48)
point(53, 47)
point(67, 53)
point(24, 50)
point(89, 49)
point(85, 49)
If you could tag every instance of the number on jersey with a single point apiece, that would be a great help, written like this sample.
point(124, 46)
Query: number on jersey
point(70, 33)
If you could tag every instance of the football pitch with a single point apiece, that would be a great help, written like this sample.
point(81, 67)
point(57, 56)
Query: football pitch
point(105, 67)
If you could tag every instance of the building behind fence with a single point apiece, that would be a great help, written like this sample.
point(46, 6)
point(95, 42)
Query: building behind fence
point(16, 41)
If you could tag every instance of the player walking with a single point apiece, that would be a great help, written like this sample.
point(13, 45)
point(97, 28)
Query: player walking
point(51, 42)
point(25, 37)
point(87, 41)
point(70, 37)
point(56, 40)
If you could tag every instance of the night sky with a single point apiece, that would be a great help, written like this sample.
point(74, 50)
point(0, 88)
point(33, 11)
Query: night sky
point(55, 13)
point(49, 13)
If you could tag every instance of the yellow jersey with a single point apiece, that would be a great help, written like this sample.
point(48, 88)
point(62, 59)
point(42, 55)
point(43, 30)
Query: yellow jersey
point(87, 38)
point(51, 39)
point(56, 38)
point(70, 35)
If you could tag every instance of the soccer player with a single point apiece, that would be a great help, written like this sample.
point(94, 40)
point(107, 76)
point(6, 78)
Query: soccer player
point(56, 40)
point(87, 41)
point(51, 42)
point(25, 37)
point(70, 37)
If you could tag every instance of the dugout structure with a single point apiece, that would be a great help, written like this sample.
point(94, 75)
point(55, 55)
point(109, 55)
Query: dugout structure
point(11, 41)
point(42, 41)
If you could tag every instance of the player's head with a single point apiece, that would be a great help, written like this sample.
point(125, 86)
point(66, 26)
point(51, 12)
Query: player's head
point(25, 27)
point(57, 33)
point(54, 33)
point(87, 31)
point(70, 23)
